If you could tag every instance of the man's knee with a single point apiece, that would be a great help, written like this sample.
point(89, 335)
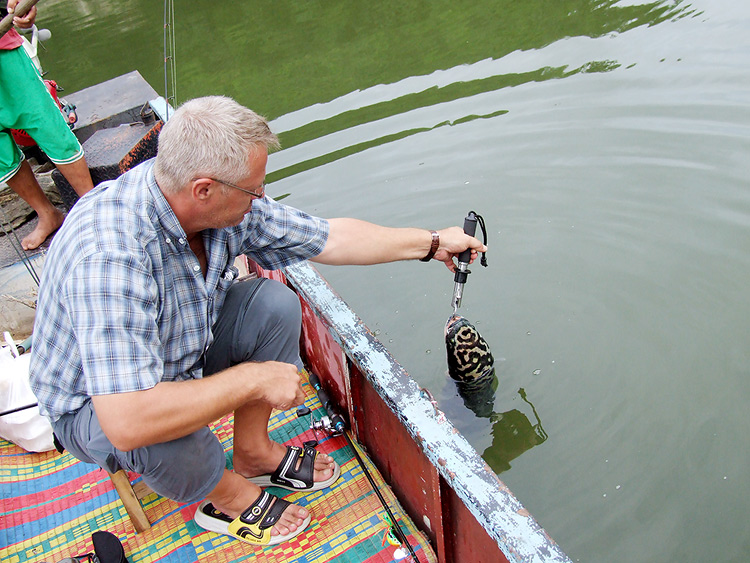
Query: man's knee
point(185, 470)
point(271, 327)
point(282, 304)
point(260, 321)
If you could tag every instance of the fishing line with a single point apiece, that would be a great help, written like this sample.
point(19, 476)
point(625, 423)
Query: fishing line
point(18, 247)
point(170, 63)
point(336, 425)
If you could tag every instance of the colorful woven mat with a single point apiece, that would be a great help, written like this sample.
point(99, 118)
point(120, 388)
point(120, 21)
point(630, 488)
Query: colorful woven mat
point(52, 503)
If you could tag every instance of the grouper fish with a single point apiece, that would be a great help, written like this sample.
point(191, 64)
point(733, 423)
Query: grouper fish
point(469, 358)
point(471, 365)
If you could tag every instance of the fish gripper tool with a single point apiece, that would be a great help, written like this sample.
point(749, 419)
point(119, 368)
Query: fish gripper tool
point(462, 270)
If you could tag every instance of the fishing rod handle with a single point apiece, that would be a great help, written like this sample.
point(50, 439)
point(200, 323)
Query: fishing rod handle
point(337, 421)
point(314, 381)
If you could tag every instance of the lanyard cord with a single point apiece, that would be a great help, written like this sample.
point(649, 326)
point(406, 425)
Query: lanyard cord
point(480, 220)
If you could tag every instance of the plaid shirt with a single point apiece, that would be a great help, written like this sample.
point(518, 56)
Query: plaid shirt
point(123, 303)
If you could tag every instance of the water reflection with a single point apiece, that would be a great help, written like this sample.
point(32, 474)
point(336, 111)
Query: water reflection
point(512, 435)
point(415, 96)
point(512, 431)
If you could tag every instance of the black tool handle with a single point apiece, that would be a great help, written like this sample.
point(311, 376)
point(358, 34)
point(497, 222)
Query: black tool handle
point(470, 227)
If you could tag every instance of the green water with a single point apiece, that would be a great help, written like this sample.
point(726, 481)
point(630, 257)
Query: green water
point(606, 145)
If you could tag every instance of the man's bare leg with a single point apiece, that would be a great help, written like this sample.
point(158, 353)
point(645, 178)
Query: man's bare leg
point(25, 184)
point(78, 176)
point(254, 451)
point(234, 494)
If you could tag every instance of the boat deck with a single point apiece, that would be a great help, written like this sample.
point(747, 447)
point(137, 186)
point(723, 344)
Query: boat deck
point(52, 503)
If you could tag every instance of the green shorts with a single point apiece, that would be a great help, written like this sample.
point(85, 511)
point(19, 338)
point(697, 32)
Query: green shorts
point(26, 104)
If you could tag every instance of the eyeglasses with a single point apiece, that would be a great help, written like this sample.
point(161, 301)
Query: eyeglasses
point(256, 194)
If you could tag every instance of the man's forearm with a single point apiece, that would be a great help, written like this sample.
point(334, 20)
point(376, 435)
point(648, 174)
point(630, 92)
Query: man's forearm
point(351, 241)
point(173, 409)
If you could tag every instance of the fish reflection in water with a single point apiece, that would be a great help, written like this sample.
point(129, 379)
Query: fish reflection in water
point(472, 367)
point(512, 435)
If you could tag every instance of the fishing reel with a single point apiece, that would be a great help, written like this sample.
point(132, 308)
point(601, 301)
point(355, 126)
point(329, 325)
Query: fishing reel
point(332, 423)
point(326, 425)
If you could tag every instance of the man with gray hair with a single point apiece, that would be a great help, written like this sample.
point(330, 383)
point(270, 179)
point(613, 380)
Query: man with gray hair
point(143, 338)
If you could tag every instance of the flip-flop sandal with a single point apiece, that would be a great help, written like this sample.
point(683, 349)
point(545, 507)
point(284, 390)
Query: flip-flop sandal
point(296, 472)
point(253, 525)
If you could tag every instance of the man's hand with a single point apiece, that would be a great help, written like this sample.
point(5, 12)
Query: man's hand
point(23, 22)
point(280, 384)
point(453, 241)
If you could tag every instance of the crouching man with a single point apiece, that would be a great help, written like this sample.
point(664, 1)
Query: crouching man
point(143, 338)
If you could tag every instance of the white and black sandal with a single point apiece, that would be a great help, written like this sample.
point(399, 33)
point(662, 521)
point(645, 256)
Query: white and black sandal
point(296, 472)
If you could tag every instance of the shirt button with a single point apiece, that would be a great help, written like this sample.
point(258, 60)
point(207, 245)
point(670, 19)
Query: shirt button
point(181, 240)
point(196, 268)
point(168, 240)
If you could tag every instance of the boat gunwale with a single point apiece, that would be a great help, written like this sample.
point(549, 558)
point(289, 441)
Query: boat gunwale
point(488, 499)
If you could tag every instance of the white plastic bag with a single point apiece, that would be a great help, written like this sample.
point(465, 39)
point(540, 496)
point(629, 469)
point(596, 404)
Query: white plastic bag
point(27, 427)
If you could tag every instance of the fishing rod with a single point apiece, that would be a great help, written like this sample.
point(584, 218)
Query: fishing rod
point(21, 10)
point(17, 409)
point(462, 270)
point(334, 424)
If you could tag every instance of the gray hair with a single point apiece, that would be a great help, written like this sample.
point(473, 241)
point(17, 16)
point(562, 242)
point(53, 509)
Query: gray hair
point(209, 137)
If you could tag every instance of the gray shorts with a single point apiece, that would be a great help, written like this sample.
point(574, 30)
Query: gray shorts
point(260, 321)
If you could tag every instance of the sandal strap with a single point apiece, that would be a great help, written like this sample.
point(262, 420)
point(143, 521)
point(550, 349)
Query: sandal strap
point(256, 521)
point(289, 475)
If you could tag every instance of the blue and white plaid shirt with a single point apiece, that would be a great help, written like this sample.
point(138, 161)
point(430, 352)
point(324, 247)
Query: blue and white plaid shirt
point(123, 303)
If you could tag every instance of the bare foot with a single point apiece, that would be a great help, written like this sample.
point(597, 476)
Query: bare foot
point(324, 464)
point(48, 224)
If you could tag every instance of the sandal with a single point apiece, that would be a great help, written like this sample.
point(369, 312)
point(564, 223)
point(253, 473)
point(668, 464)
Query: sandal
point(253, 525)
point(296, 471)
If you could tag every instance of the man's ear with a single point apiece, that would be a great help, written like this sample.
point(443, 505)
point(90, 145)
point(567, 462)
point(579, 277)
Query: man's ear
point(202, 188)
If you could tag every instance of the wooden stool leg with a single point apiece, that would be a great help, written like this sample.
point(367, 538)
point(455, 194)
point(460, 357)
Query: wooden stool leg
point(132, 504)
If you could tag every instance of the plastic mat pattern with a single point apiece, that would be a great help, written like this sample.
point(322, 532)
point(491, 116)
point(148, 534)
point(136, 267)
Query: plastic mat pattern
point(52, 503)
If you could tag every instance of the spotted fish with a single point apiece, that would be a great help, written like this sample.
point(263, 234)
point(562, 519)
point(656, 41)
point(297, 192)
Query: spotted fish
point(470, 361)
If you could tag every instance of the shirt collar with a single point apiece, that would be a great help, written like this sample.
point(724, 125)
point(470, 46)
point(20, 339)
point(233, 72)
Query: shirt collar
point(164, 212)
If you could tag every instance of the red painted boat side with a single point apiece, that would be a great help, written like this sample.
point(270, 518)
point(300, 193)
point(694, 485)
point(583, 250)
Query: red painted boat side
point(450, 493)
